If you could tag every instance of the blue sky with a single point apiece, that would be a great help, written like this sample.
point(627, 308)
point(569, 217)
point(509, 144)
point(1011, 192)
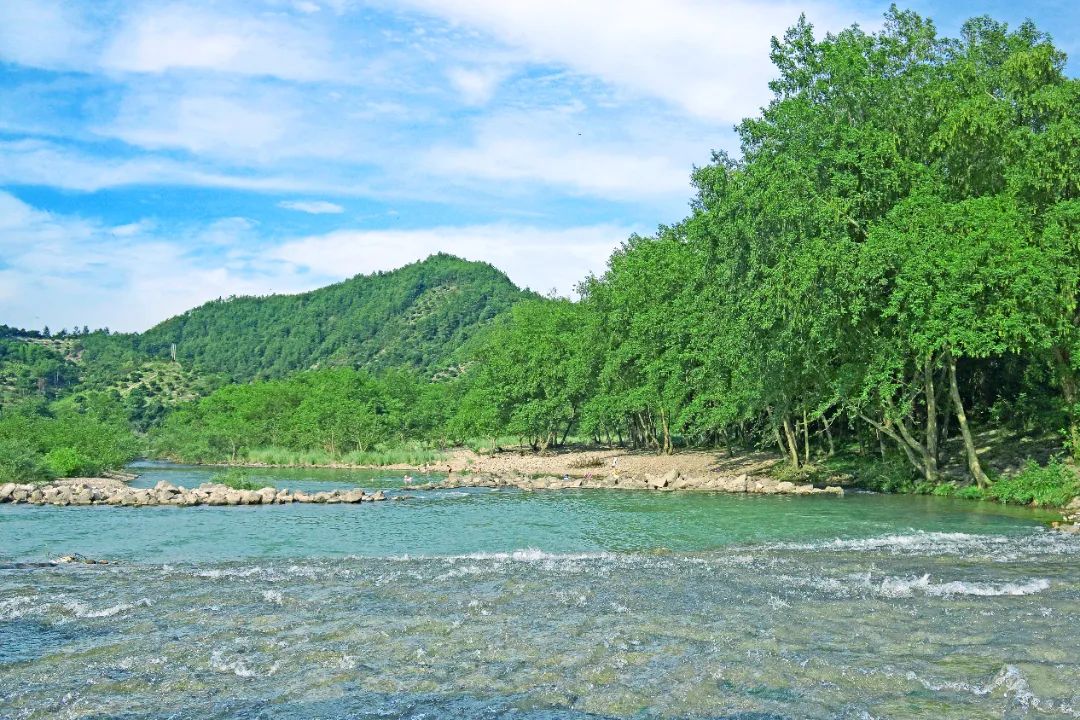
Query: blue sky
point(155, 154)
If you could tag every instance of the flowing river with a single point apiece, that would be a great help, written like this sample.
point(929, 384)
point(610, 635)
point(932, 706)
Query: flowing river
point(567, 604)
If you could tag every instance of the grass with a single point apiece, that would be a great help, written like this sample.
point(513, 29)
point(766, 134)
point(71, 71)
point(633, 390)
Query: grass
point(237, 480)
point(1052, 485)
point(405, 455)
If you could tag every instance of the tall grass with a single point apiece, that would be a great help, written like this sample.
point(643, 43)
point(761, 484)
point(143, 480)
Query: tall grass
point(405, 455)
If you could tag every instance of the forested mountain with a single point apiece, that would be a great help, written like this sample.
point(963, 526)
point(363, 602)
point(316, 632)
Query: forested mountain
point(414, 317)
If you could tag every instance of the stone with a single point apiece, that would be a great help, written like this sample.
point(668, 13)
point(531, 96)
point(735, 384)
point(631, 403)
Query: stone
point(378, 495)
point(785, 487)
point(6, 491)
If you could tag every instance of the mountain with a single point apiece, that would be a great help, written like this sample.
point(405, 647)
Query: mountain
point(416, 317)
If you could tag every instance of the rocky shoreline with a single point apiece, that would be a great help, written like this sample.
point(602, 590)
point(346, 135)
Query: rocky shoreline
point(96, 491)
point(1070, 519)
point(672, 480)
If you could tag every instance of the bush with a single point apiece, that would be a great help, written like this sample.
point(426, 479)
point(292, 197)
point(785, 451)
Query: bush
point(238, 480)
point(20, 463)
point(65, 462)
point(1052, 485)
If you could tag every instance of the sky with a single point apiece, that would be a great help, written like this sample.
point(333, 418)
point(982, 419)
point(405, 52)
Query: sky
point(157, 154)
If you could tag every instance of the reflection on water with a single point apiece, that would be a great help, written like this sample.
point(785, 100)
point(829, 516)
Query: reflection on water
point(638, 606)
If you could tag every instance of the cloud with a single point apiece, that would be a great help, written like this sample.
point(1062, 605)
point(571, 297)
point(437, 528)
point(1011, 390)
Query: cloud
point(37, 162)
point(312, 207)
point(156, 39)
point(45, 33)
point(540, 258)
point(709, 58)
point(572, 150)
point(60, 269)
point(476, 86)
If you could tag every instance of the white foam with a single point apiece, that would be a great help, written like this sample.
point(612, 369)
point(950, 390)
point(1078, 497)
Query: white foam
point(83, 611)
point(920, 542)
point(906, 587)
point(1013, 685)
point(236, 667)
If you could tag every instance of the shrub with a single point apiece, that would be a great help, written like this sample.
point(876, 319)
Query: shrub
point(1052, 485)
point(20, 463)
point(237, 480)
point(65, 462)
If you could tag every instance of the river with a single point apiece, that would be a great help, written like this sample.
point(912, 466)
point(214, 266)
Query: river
point(530, 605)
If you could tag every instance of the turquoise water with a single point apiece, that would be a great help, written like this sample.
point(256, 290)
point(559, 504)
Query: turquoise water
point(570, 604)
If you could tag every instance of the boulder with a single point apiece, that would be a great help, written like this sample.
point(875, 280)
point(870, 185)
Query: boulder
point(353, 496)
point(785, 487)
point(267, 495)
point(6, 491)
point(378, 495)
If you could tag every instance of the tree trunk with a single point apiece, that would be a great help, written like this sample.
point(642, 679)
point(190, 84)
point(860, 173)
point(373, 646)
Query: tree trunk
point(1070, 393)
point(665, 427)
point(828, 436)
point(793, 444)
point(931, 417)
point(806, 437)
point(974, 466)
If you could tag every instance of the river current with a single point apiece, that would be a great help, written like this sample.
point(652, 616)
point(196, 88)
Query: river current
point(563, 604)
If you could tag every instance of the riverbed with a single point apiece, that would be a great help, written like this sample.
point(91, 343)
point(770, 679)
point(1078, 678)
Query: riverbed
point(478, 603)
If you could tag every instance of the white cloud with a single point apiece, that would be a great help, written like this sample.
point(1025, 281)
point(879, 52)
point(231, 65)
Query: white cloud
point(573, 151)
point(44, 33)
point(709, 58)
point(476, 86)
point(312, 207)
point(540, 258)
point(34, 162)
point(155, 39)
point(63, 269)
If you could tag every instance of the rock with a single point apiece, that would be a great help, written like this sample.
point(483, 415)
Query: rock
point(353, 496)
point(6, 491)
point(785, 487)
point(378, 495)
point(267, 495)
point(1074, 505)
point(655, 483)
point(835, 490)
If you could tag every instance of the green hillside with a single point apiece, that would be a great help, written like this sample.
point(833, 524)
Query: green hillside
point(414, 317)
